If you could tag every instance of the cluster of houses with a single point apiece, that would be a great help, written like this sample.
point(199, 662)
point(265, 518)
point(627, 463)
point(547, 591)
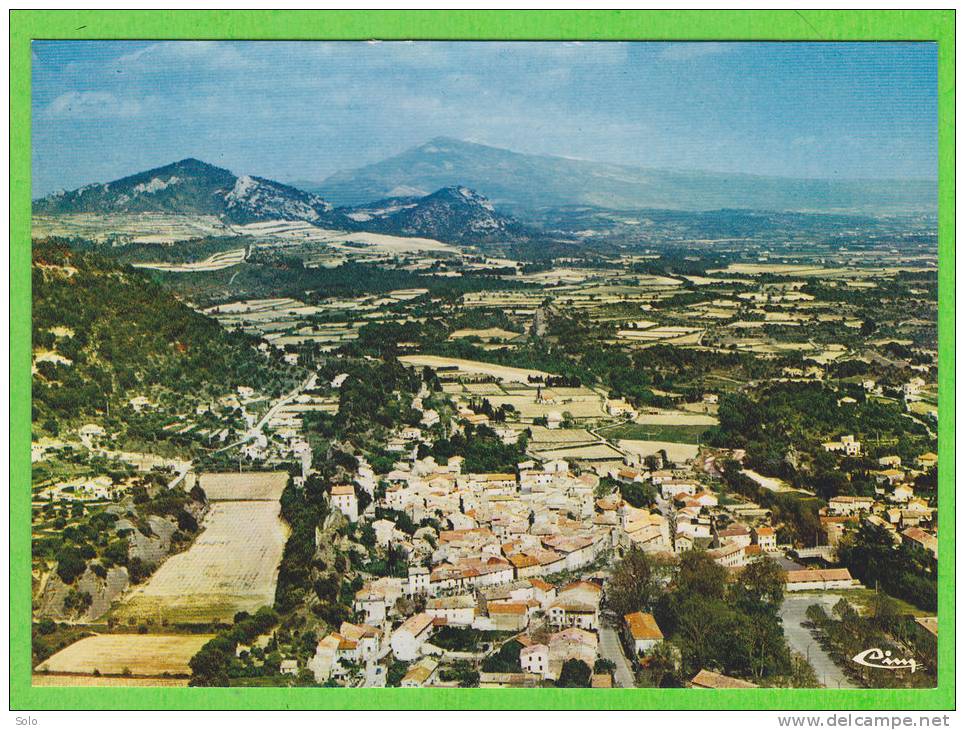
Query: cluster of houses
point(894, 507)
point(690, 518)
point(487, 543)
point(572, 613)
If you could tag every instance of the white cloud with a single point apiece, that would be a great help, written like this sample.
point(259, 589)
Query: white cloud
point(161, 57)
point(689, 51)
point(93, 105)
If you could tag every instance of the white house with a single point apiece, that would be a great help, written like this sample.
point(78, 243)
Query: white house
point(903, 493)
point(535, 659)
point(846, 445)
point(577, 604)
point(345, 501)
point(367, 639)
point(457, 610)
point(642, 631)
point(673, 488)
point(766, 538)
point(411, 635)
point(418, 581)
point(730, 556)
point(848, 505)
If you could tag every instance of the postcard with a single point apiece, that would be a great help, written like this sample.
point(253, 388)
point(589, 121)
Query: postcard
point(594, 367)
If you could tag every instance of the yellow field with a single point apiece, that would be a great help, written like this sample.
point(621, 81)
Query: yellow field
point(491, 333)
point(82, 680)
point(231, 567)
point(381, 243)
point(141, 655)
point(548, 437)
point(501, 372)
point(528, 408)
point(245, 486)
point(159, 228)
point(213, 263)
point(481, 388)
point(594, 452)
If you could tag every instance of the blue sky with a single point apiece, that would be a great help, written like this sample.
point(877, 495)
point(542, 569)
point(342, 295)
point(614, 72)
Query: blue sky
point(302, 110)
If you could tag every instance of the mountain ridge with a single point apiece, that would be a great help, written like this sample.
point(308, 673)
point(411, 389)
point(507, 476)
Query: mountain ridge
point(519, 182)
point(190, 186)
point(454, 214)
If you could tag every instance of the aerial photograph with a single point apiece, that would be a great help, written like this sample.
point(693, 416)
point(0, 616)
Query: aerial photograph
point(484, 364)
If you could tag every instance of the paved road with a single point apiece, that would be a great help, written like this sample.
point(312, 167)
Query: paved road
point(610, 648)
point(272, 410)
point(802, 641)
point(282, 402)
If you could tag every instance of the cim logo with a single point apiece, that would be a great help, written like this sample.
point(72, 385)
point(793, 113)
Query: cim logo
point(878, 659)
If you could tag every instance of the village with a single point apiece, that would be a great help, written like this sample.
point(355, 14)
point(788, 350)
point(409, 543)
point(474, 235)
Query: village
point(526, 555)
point(463, 576)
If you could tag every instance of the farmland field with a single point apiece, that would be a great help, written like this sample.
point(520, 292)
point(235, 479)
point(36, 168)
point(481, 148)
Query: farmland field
point(213, 263)
point(232, 566)
point(501, 372)
point(247, 486)
point(675, 418)
point(155, 228)
point(560, 436)
point(528, 408)
point(134, 654)
point(682, 434)
point(677, 452)
point(597, 451)
point(81, 680)
point(492, 333)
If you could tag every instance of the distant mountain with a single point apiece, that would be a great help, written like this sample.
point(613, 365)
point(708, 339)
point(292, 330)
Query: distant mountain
point(524, 182)
point(453, 214)
point(191, 187)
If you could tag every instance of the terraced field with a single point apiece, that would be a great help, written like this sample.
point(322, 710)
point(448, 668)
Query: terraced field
point(232, 566)
point(133, 655)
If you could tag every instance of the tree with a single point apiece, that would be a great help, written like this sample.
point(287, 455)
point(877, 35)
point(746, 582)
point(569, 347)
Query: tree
point(397, 671)
point(663, 666)
point(760, 585)
point(70, 564)
point(699, 575)
point(574, 673)
point(802, 674)
point(635, 583)
point(504, 660)
point(209, 667)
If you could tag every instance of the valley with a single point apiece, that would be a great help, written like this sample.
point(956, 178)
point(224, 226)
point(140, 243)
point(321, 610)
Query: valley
point(470, 437)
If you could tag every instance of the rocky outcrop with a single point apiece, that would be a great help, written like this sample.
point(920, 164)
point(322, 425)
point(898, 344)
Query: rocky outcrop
point(103, 591)
point(152, 549)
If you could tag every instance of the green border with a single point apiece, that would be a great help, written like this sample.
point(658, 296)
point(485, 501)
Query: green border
point(810, 25)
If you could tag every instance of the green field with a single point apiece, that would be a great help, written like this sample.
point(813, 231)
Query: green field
point(653, 432)
point(863, 599)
